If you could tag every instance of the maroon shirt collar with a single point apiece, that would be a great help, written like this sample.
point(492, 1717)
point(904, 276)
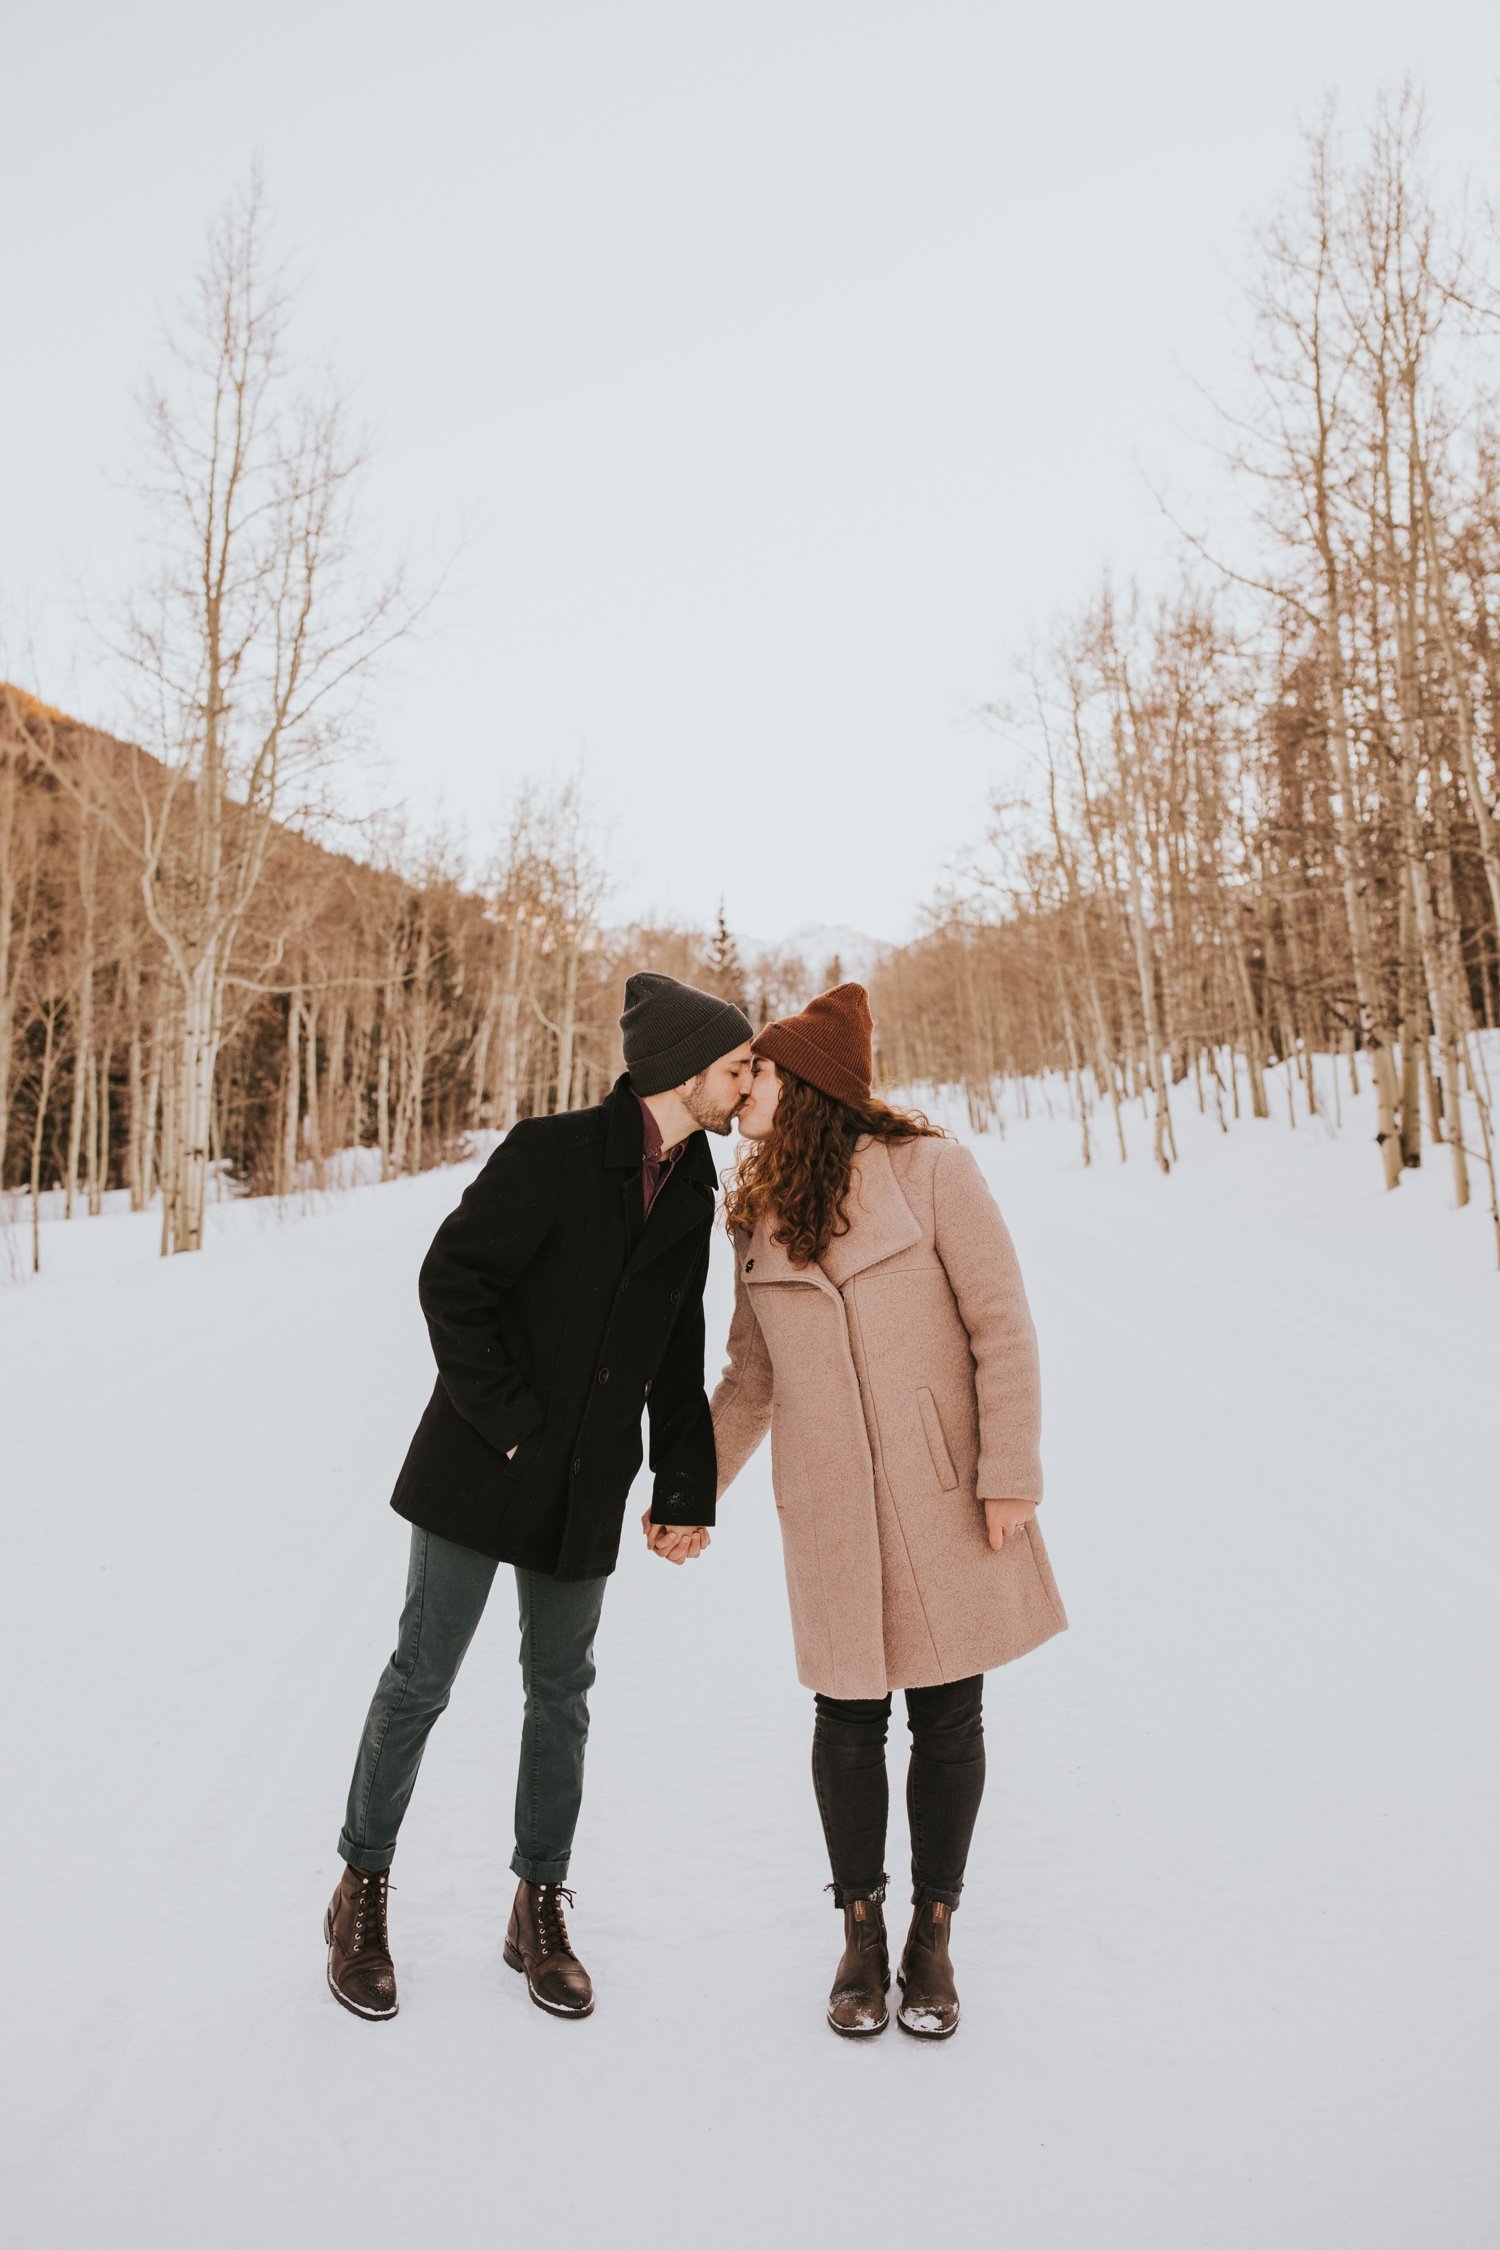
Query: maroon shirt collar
point(656, 1167)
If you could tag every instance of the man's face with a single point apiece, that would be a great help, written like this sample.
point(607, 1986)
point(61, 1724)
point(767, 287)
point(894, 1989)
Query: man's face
point(712, 1099)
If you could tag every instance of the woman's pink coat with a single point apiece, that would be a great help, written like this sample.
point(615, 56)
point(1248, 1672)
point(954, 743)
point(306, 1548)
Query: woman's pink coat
point(898, 1379)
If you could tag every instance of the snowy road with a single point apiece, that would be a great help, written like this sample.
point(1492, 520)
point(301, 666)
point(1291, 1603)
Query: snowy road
point(1228, 1951)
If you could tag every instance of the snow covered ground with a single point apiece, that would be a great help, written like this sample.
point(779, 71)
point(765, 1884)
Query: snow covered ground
point(1228, 1952)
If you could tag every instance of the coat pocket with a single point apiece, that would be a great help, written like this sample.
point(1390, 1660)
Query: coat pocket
point(778, 1470)
point(788, 1470)
point(937, 1444)
point(526, 1452)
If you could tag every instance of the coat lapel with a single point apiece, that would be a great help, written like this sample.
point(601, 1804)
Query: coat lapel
point(766, 1265)
point(881, 1225)
point(881, 1221)
point(684, 1202)
point(624, 1147)
point(624, 1134)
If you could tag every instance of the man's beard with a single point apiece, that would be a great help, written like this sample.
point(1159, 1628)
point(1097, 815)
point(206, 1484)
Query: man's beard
point(712, 1115)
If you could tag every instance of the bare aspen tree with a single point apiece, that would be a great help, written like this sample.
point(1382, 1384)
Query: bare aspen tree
point(242, 650)
point(1303, 375)
point(84, 1083)
point(15, 920)
point(48, 1006)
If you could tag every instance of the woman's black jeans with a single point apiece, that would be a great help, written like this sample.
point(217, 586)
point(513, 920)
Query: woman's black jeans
point(944, 1783)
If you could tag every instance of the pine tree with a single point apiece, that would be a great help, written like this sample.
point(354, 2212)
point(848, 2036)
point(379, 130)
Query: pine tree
point(726, 973)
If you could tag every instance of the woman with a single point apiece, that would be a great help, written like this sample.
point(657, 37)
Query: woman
point(881, 1333)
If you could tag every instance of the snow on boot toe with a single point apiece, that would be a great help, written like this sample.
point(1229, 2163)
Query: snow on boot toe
point(929, 1996)
point(856, 2006)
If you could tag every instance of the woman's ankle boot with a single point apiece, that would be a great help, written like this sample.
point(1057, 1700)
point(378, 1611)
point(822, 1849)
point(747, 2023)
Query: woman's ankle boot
point(856, 2005)
point(929, 1996)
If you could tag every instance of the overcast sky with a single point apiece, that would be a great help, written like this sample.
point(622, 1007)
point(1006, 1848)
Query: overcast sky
point(793, 364)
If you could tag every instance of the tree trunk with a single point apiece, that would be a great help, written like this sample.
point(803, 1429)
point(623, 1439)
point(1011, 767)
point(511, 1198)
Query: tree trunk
point(1413, 1030)
point(568, 1029)
point(383, 1090)
point(312, 1133)
point(291, 1093)
point(44, 1095)
point(99, 1161)
point(83, 1030)
point(193, 1092)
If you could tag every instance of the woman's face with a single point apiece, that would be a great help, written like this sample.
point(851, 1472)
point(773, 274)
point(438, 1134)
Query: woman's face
point(758, 1111)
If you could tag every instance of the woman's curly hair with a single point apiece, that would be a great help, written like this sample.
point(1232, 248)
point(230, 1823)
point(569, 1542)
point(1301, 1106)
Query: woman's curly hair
point(798, 1176)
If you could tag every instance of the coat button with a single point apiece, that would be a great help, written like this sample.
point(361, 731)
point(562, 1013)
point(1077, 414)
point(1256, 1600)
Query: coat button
point(625, 1284)
point(675, 1295)
point(578, 1468)
point(749, 1265)
point(604, 1374)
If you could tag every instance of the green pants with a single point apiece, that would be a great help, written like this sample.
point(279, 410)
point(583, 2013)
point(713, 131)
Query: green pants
point(446, 1589)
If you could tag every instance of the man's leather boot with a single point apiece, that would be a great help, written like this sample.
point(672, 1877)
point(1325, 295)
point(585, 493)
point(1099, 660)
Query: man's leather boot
point(929, 1997)
point(856, 2005)
point(361, 1974)
point(537, 1943)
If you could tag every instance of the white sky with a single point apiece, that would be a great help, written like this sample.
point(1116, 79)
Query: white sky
point(796, 363)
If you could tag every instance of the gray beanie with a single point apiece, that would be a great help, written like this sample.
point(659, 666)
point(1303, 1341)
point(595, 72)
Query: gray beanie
point(672, 1032)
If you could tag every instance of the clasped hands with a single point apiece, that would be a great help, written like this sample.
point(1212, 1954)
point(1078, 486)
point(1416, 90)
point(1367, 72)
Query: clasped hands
point(679, 1543)
point(674, 1542)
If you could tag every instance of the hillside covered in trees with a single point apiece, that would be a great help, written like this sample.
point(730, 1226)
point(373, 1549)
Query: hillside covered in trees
point(383, 1001)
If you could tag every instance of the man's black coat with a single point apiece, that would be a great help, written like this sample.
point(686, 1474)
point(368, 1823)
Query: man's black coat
point(557, 1312)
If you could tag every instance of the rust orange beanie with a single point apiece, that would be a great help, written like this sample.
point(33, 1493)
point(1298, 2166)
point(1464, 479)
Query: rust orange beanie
point(828, 1044)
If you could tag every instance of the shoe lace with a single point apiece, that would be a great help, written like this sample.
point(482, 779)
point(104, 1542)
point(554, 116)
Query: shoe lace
point(552, 1927)
point(371, 1913)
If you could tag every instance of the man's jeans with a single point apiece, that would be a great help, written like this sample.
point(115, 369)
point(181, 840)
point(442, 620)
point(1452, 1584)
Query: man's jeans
point(446, 1590)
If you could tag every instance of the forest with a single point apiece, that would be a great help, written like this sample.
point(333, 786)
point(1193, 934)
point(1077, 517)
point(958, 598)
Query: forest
point(1263, 825)
point(389, 1002)
point(1251, 820)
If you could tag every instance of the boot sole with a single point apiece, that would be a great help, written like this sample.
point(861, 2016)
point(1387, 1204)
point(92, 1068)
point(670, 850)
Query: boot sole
point(367, 2015)
point(860, 2031)
point(513, 1960)
point(912, 2031)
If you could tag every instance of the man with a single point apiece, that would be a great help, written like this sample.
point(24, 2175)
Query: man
point(563, 1296)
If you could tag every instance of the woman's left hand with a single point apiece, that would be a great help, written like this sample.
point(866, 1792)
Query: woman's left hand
point(1007, 1519)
